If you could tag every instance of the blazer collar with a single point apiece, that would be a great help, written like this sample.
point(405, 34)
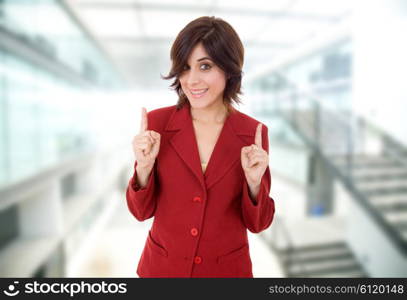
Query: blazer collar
point(227, 149)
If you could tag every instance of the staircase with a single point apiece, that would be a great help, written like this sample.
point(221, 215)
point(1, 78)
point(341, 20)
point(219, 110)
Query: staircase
point(377, 181)
point(313, 247)
point(323, 260)
point(380, 179)
point(384, 183)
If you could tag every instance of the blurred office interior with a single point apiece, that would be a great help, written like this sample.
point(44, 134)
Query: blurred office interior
point(326, 77)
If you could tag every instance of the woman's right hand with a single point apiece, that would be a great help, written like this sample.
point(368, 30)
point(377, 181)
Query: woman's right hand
point(146, 144)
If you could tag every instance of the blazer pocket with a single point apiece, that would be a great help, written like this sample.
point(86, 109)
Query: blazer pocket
point(233, 254)
point(155, 246)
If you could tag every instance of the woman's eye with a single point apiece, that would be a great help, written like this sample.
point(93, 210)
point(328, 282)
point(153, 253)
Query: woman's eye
point(202, 67)
point(205, 66)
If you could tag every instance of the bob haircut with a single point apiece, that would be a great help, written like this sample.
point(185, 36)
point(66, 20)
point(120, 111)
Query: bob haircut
point(222, 44)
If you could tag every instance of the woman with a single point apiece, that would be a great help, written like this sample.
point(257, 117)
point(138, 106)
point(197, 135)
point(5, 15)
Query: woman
point(201, 166)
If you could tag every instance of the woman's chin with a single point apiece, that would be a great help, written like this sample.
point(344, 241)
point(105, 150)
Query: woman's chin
point(198, 103)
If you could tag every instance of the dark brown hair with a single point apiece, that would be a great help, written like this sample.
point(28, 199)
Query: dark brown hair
point(222, 44)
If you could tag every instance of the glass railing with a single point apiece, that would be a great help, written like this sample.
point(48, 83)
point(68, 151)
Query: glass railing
point(348, 143)
point(47, 27)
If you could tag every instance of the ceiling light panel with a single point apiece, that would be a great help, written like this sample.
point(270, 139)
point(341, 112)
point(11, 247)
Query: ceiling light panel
point(112, 22)
point(245, 26)
point(260, 5)
point(322, 7)
point(289, 31)
point(166, 24)
point(166, 3)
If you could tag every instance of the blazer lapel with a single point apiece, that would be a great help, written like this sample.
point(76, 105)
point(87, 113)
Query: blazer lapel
point(184, 141)
point(225, 154)
point(227, 149)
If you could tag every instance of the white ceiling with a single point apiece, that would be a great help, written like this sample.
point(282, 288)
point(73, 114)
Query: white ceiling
point(138, 33)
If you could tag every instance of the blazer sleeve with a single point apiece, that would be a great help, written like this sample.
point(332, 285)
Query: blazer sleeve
point(141, 201)
point(258, 214)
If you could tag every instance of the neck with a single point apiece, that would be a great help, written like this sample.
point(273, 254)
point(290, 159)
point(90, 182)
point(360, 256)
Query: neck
point(210, 115)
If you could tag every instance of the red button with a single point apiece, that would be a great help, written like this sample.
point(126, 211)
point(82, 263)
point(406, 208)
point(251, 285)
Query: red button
point(194, 231)
point(198, 259)
point(197, 199)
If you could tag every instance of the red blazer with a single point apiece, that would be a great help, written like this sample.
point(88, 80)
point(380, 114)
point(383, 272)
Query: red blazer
point(200, 220)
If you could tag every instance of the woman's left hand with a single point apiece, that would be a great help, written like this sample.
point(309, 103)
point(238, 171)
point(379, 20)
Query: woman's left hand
point(254, 160)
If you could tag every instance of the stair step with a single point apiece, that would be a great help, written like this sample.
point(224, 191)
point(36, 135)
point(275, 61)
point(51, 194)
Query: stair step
point(319, 247)
point(396, 216)
point(384, 177)
point(332, 247)
point(390, 199)
point(364, 161)
point(382, 171)
point(343, 273)
point(351, 274)
point(400, 225)
point(317, 258)
point(369, 165)
point(310, 266)
point(298, 254)
point(361, 157)
point(393, 207)
point(345, 267)
point(384, 191)
point(388, 184)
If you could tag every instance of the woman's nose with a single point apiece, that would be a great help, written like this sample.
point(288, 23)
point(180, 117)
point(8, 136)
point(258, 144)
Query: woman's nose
point(193, 77)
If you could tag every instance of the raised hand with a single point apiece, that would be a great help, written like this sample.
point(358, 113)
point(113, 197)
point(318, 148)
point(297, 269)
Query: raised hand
point(254, 159)
point(146, 144)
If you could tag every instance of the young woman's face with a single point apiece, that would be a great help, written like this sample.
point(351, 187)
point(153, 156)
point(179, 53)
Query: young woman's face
point(202, 81)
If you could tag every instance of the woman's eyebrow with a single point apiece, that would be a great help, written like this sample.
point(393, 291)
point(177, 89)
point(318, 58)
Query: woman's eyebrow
point(203, 58)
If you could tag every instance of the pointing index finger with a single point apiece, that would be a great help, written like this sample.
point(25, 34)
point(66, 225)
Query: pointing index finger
point(144, 122)
point(258, 137)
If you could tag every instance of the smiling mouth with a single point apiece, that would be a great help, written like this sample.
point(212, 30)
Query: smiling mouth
point(198, 93)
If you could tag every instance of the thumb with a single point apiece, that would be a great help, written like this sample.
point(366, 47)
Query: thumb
point(246, 149)
point(244, 152)
point(156, 146)
point(244, 158)
point(154, 134)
